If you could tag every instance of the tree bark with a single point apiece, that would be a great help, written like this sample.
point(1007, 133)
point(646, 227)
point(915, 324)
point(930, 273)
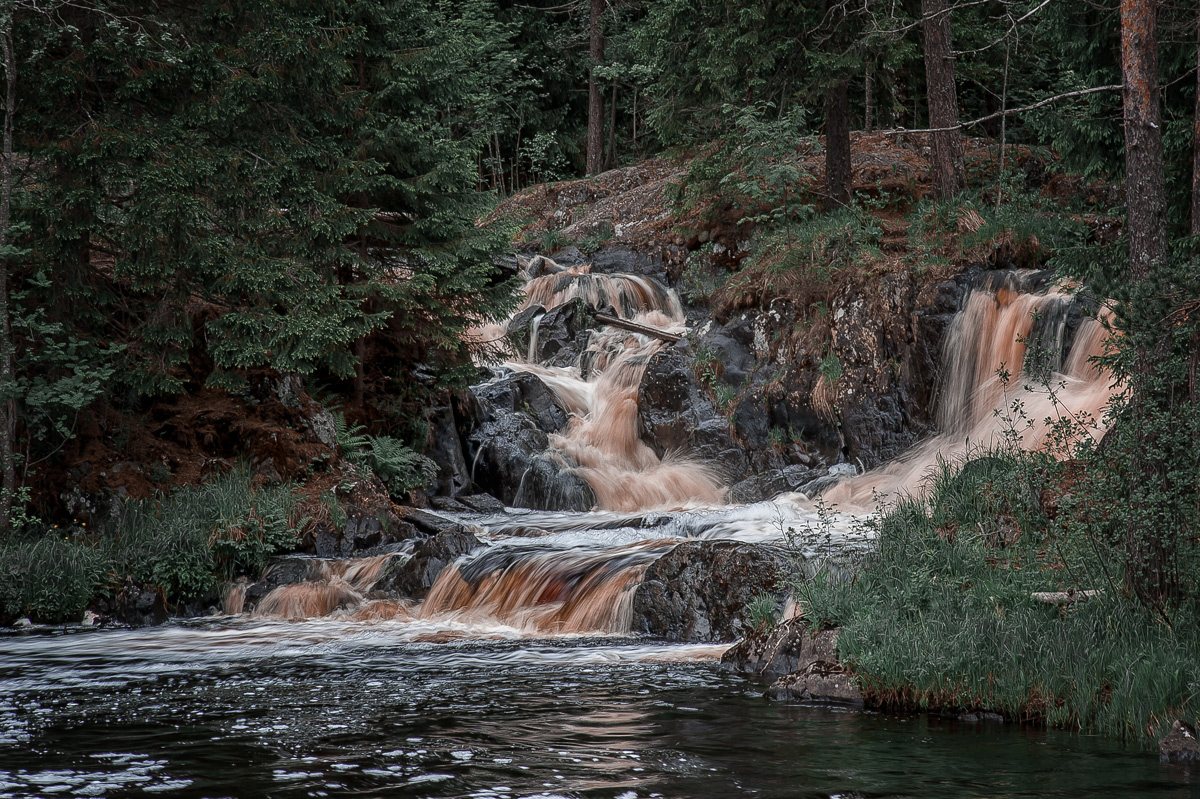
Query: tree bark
point(837, 144)
point(1145, 194)
point(595, 135)
point(946, 155)
point(8, 409)
point(1195, 231)
point(1148, 552)
point(611, 161)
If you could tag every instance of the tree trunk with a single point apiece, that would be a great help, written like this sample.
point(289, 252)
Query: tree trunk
point(595, 135)
point(837, 145)
point(8, 408)
point(1145, 195)
point(1195, 231)
point(612, 128)
point(946, 156)
point(868, 95)
point(1148, 553)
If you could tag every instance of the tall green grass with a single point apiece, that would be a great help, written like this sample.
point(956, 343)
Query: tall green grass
point(941, 615)
point(186, 543)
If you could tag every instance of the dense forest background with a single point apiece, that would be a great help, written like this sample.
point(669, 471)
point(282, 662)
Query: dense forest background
point(207, 199)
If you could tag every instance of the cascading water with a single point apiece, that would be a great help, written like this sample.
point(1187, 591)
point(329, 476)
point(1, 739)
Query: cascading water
point(602, 442)
point(547, 573)
point(989, 394)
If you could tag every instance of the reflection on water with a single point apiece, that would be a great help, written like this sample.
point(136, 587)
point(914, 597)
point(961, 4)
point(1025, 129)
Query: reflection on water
point(244, 708)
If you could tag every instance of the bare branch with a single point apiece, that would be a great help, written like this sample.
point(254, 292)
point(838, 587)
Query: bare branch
point(1009, 112)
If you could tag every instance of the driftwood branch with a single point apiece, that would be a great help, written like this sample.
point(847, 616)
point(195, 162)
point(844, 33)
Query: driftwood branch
point(634, 327)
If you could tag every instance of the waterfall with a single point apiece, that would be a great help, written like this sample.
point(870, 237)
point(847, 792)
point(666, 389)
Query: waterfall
point(999, 322)
point(601, 441)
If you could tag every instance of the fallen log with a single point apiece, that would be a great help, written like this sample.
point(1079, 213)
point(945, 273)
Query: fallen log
point(1063, 597)
point(634, 327)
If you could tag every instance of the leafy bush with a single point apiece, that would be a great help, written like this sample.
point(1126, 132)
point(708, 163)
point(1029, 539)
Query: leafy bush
point(197, 537)
point(50, 578)
point(399, 467)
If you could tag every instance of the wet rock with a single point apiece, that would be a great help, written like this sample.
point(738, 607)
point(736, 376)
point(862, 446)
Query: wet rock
point(676, 416)
point(564, 334)
point(521, 392)
point(787, 647)
point(700, 590)
point(1180, 745)
point(139, 606)
point(365, 534)
point(790, 479)
point(426, 523)
point(503, 447)
point(444, 448)
point(981, 716)
point(617, 258)
point(817, 684)
point(550, 483)
point(803, 665)
point(414, 576)
point(482, 503)
point(278, 572)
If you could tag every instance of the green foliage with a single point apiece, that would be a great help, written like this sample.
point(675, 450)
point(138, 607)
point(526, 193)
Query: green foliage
point(942, 614)
point(761, 612)
point(48, 577)
point(831, 368)
point(754, 168)
point(186, 543)
point(195, 538)
point(399, 467)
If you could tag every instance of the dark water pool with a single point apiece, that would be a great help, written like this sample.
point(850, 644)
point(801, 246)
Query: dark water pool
point(246, 709)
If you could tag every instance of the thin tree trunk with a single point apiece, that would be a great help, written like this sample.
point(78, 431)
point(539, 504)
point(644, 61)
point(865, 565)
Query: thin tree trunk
point(868, 96)
point(612, 128)
point(946, 155)
point(837, 144)
point(1148, 553)
point(595, 135)
point(1195, 231)
point(8, 409)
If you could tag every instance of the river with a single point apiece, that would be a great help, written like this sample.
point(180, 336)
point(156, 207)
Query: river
point(246, 708)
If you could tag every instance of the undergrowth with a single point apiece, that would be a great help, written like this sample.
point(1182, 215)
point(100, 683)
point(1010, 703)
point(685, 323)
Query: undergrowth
point(942, 614)
point(186, 543)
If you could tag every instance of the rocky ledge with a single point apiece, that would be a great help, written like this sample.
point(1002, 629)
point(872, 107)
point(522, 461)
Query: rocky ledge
point(802, 664)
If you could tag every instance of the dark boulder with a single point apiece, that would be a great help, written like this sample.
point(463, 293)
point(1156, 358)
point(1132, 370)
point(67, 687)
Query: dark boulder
point(766, 486)
point(802, 665)
point(1180, 745)
point(521, 392)
point(444, 448)
point(364, 534)
point(676, 416)
point(700, 590)
point(563, 334)
point(503, 447)
point(137, 606)
point(551, 483)
point(412, 578)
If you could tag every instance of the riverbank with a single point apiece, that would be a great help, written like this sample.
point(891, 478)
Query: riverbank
point(976, 600)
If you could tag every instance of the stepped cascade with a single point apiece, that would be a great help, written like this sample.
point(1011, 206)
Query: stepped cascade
point(539, 573)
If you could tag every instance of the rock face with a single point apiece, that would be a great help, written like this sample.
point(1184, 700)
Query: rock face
point(676, 416)
point(412, 578)
point(803, 665)
point(700, 590)
point(1180, 745)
